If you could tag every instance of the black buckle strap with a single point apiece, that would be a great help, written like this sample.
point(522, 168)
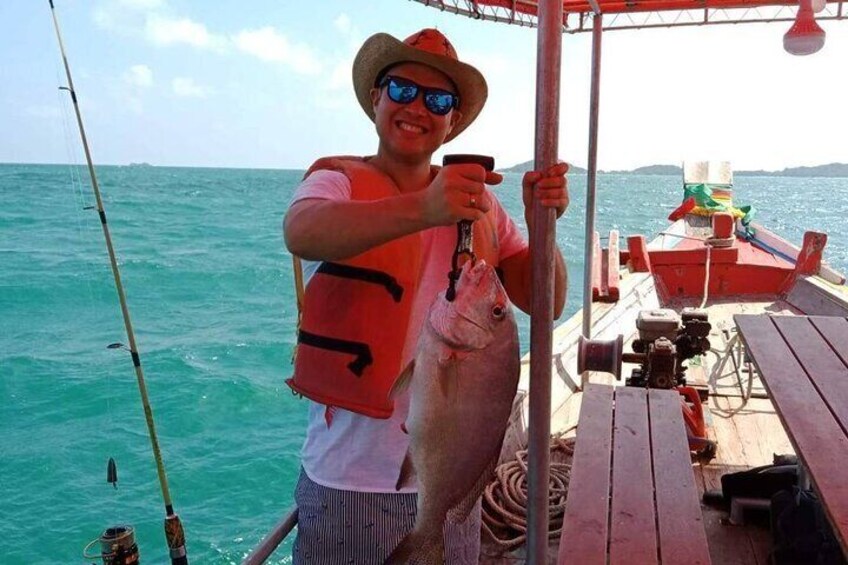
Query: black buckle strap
point(360, 350)
point(363, 274)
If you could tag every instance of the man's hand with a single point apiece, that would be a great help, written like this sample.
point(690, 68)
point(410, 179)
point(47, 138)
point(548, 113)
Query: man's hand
point(550, 187)
point(458, 193)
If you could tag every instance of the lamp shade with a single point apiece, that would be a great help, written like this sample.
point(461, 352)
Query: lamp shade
point(805, 37)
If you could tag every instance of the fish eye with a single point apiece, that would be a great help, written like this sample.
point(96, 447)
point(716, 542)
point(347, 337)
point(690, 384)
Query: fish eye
point(498, 311)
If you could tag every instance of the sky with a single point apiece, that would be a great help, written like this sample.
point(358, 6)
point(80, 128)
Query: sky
point(267, 84)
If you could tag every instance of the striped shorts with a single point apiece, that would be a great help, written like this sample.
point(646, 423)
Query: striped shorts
point(337, 527)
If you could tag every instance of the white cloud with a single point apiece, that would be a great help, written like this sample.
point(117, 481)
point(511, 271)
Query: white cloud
point(125, 17)
point(342, 23)
point(139, 75)
point(143, 4)
point(340, 77)
point(104, 19)
point(187, 88)
point(269, 45)
point(167, 31)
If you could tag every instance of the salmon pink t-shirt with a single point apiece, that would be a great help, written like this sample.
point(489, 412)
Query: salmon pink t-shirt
point(357, 452)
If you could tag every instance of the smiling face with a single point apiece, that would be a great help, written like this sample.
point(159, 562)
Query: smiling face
point(409, 132)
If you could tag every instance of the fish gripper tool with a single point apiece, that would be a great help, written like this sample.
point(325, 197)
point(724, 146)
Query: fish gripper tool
point(464, 231)
point(464, 246)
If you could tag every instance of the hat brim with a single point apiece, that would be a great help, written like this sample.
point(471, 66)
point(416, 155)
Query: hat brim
point(382, 50)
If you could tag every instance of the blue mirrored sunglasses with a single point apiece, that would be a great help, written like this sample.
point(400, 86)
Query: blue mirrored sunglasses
point(404, 91)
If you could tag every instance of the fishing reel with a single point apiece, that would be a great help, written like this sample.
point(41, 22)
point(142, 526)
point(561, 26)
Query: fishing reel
point(117, 543)
point(117, 546)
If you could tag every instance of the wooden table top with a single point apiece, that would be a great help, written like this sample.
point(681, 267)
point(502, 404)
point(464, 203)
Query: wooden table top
point(803, 362)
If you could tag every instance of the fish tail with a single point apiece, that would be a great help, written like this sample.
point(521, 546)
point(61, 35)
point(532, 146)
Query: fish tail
point(420, 548)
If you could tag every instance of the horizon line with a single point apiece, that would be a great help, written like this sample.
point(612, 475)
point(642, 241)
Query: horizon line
point(145, 164)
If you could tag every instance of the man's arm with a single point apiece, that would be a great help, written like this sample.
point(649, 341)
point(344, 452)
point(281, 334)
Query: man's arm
point(517, 280)
point(551, 189)
point(327, 230)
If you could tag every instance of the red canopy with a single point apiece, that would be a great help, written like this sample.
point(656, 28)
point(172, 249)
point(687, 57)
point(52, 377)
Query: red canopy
point(618, 6)
point(637, 13)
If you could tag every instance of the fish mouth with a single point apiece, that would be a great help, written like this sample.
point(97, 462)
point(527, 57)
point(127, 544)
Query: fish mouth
point(471, 321)
point(455, 342)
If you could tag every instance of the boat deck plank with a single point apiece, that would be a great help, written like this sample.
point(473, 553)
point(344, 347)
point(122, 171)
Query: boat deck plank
point(676, 496)
point(633, 531)
point(587, 533)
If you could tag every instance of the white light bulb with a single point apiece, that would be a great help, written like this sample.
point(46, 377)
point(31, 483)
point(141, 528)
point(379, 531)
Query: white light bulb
point(803, 45)
point(805, 37)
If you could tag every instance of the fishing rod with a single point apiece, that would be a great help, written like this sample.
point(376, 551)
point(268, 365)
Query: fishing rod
point(174, 533)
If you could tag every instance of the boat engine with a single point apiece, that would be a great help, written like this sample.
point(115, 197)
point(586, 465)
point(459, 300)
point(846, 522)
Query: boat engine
point(665, 341)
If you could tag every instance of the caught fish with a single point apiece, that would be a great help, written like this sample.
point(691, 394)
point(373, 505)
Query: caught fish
point(462, 383)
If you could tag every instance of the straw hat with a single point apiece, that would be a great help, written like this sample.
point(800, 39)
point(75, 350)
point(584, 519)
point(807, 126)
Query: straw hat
point(429, 47)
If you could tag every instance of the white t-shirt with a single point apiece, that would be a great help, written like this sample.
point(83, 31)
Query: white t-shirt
point(356, 452)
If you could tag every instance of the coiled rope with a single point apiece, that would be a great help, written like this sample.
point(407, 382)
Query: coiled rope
point(505, 498)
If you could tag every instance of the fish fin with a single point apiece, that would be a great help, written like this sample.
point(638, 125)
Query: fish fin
point(459, 513)
point(421, 548)
point(407, 472)
point(402, 382)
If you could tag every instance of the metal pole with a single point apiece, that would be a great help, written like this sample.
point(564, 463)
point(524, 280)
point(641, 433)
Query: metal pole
point(174, 533)
point(542, 240)
point(594, 105)
point(268, 545)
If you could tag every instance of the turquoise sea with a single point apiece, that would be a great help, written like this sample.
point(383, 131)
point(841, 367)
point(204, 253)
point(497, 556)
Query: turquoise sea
point(210, 291)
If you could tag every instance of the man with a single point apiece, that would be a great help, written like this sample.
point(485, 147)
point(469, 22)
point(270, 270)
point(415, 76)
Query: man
point(377, 234)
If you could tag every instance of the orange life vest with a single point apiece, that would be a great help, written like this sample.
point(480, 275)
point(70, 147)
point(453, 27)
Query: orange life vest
point(356, 312)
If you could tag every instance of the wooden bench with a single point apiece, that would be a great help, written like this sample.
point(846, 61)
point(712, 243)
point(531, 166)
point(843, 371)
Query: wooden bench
point(803, 363)
point(632, 495)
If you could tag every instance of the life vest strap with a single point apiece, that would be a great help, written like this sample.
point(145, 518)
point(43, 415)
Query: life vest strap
point(363, 274)
point(360, 350)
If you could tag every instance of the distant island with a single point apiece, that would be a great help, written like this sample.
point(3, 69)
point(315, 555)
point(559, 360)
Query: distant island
point(140, 165)
point(829, 170)
point(528, 166)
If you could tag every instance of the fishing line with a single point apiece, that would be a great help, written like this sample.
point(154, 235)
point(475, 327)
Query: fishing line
point(75, 180)
point(85, 231)
point(174, 533)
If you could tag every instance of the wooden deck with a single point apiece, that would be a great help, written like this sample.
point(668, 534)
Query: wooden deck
point(741, 419)
point(747, 428)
